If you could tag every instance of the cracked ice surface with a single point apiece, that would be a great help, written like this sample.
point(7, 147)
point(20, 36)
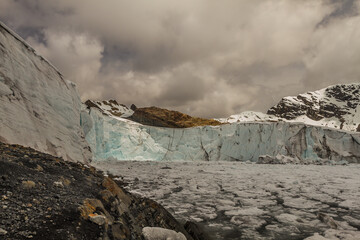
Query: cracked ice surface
point(234, 200)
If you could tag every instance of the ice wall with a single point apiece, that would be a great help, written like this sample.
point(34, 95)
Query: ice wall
point(38, 108)
point(124, 140)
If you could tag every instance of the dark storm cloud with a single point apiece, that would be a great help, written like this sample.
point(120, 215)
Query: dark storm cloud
point(32, 32)
point(344, 8)
point(204, 57)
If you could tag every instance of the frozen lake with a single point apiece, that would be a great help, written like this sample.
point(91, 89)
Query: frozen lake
point(234, 200)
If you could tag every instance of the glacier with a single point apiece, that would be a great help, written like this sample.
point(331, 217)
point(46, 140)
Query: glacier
point(39, 108)
point(116, 138)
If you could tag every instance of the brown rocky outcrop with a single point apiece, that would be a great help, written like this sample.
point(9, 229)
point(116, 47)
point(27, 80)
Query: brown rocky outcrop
point(159, 117)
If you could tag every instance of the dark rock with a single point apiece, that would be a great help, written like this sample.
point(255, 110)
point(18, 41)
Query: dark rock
point(91, 104)
point(166, 167)
point(133, 107)
point(196, 232)
point(113, 102)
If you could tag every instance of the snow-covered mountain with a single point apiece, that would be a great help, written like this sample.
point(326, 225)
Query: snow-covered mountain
point(336, 106)
point(110, 108)
point(38, 107)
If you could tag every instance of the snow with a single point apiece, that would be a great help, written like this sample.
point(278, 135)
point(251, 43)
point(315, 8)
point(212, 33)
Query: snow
point(156, 233)
point(249, 116)
point(39, 108)
point(124, 140)
point(233, 198)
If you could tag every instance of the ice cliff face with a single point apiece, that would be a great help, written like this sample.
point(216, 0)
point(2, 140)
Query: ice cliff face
point(125, 140)
point(39, 108)
point(336, 106)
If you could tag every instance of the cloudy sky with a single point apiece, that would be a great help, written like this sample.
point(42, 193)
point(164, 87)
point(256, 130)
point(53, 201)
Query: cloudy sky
point(207, 58)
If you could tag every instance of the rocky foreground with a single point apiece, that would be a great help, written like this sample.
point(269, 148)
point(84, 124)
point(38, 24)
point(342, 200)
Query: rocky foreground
point(44, 197)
